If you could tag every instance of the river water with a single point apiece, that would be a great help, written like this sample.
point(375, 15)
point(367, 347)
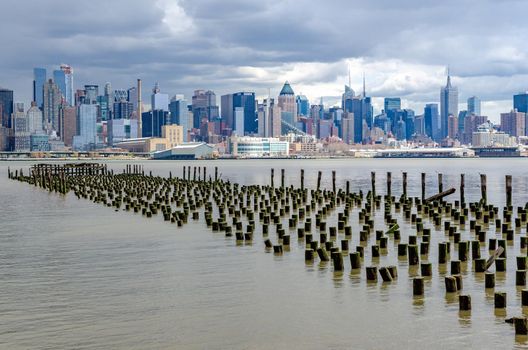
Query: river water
point(78, 275)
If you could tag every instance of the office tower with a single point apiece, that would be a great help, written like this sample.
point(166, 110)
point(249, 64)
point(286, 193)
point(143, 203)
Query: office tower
point(448, 105)
point(520, 102)
point(52, 102)
point(139, 110)
point(153, 121)
point(239, 121)
point(431, 121)
point(91, 93)
point(392, 103)
point(86, 137)
point(64, 80)
point(179, 114)
point(20, 129)
point(158, 100)
point(35, 118)
point(303, 106)
point(471, 124)
point(69, 129)
point(104, 110)
point(461, 122)
point(400, 129)
point(122, 109)
point(131, 97)
point(452, 127)
point(419, 125)
point(473, 105)
point(269, 119)
point(124, 95)
point(6, 107)
point(408, 118)
point(361, 107)
point(287, 104)
point(513, 123)
point(204, 107)
point(39, 79)
point(347, 128)
point(245, 100)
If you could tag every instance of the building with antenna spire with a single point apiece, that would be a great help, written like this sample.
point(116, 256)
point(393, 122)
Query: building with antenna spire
point(448, 105)
point(287, 104)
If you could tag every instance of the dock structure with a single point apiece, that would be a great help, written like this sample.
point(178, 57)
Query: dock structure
point(337, 228)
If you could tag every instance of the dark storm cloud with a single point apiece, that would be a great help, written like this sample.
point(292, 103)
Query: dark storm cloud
point(192, 44)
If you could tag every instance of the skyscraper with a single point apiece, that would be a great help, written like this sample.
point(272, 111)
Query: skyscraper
point(286, 102)
point(179, 114)
point(91, 93)
point(6, 107)
point(158, 100)
point(20, 129)
point(303, 105)
point(63, 77)
point(473, 105)
point(245, 100)
point(34, 116)
point(39, 79)
point(86, 138)
point(448, 105)
point(431, 121)
point(520, 102)
point(52, 102)
point(204, 106)
point(513, 123)
point(392, 103)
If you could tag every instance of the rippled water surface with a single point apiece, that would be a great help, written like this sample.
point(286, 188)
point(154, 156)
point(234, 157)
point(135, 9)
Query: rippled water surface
point(78, 275)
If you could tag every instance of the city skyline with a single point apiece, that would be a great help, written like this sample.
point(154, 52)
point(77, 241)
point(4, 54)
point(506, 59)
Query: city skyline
point(191, 45)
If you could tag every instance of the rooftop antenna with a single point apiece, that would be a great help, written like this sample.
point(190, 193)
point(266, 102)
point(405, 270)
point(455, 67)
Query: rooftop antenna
point(349, 78)
point(364, 93)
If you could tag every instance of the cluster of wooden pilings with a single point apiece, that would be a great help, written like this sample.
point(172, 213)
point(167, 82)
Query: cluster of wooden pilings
point(328, 222)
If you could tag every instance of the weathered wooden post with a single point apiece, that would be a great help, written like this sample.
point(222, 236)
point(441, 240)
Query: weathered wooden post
point(282, 178)
point(373, 182)
point(440, 183)
point(272, 176)
point(483, 188)
point(405, 184)
point(423, 186)
point(319, 180)
point(302, 179)
point(333, 181)
point(508, 190)
point(389, 184)
point(462, 186)
point(216, 173)
point(184, 172)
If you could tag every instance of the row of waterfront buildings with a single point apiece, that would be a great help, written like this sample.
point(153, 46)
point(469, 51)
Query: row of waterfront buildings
point(61, 117)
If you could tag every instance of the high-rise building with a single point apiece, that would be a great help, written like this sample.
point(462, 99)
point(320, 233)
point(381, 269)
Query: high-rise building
point(520, 102)
point(239, 121)
point(269, 119)
point(6, 107)
point(245, 100)
point(69, 129)
point(52, 103)
point(287, 104)
point(123, 95)
point(39, 79)
point(91, 93)
point(35, 118)
point(204, 107)
point(471, 124)
point(303, 106)
point(361, 107)
point(63, 77)
point(21, 141)
point(431, 121)
point(158, 100)
point(448, 106)
point(473, 105)
point(347, 128)
point(179, 114)
point(408, 118)
point(452, 127)
point(513, 123)
point(153, 121)
point(122, 109)
point(86, 137)
point(132, 97)
point(392, 103)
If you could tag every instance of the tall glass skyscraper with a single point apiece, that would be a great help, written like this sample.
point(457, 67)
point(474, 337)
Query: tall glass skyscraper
point(179, 114)
point(6, 107)
point(392, 103)
point(448, 105)
point(431, 121)
point(520, 102)
point(473, 105)
point(39, 79)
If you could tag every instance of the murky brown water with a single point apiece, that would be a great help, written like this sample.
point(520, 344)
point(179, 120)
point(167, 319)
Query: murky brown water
point(77, 275)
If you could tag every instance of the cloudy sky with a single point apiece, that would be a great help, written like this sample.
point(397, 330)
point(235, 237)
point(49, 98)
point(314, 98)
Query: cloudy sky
point(232, 45)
